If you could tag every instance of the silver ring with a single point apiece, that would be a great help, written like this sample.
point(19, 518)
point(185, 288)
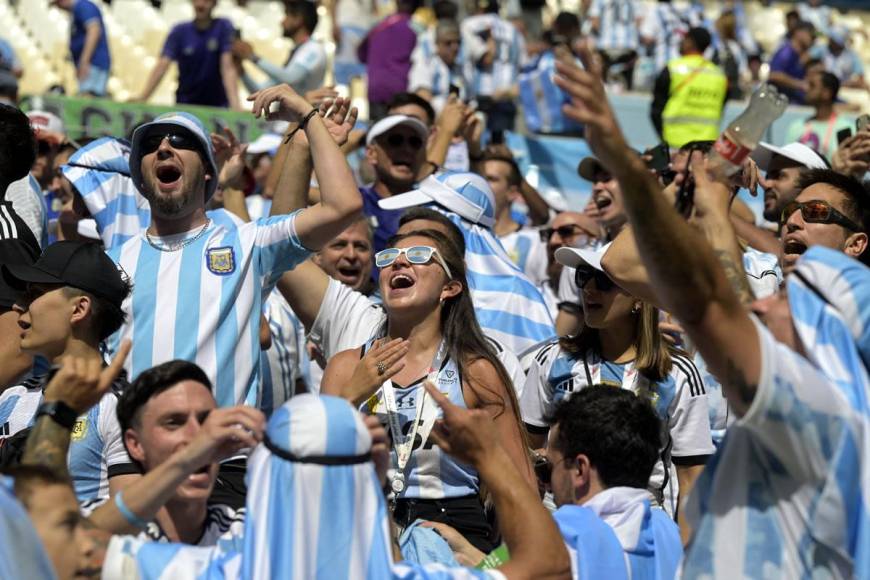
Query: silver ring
point(382, 367)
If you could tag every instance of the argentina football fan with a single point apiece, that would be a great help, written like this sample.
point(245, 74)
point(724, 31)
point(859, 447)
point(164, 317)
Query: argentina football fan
point(321, 510)
point(793, 369)
point(430, 333)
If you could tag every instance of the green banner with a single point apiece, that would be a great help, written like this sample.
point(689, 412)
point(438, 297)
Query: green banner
point(102, 117)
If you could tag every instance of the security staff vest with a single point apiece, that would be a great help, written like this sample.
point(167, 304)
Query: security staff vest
point(694, 107)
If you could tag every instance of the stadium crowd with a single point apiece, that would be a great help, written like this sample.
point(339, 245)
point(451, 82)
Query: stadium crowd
point(268, 361)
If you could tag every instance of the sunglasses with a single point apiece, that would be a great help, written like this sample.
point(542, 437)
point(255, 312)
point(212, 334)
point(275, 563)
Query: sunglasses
point(563, 231)
point(544, 468)
point(415, 255)
point(152, 142)
point(584, 275)
point(817, 211)
point(395, 141)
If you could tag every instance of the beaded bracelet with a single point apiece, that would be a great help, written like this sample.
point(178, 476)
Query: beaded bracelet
point(301, 125)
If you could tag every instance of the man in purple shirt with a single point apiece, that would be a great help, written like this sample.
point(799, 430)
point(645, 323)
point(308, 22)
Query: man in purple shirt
point(203, 50)
point(787, 65)
point(387, 53)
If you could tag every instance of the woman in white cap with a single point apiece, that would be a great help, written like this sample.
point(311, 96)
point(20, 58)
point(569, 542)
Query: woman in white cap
point(621, 345)
point(431, 334)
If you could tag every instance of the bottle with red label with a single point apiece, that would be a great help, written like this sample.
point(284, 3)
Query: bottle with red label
point(743, 134)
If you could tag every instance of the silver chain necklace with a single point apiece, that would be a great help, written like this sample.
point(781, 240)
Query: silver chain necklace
point(174, 247)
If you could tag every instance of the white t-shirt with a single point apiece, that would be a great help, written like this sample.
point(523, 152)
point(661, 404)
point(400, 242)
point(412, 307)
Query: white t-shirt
point(679, 400)
point(780, 497)
point(528, 252)
point(348, 319)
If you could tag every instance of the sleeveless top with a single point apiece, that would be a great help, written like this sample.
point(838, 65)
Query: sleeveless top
point(430, 473)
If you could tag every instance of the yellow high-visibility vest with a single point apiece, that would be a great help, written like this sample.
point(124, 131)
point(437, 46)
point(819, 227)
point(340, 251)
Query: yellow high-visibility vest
point(694, 108)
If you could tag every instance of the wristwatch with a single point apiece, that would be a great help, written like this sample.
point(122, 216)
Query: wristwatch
point(62, 414)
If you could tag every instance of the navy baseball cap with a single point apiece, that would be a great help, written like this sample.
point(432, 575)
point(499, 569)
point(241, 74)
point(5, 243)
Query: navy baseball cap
point(174, 120)
point(82, 265)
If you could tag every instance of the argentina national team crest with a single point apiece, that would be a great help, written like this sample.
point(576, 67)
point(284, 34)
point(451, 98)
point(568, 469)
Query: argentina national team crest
point(221, 261)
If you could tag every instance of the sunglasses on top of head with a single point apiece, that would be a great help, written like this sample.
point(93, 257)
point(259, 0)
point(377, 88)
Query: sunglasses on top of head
point(177, 140)
point(415, 255)
point(585, 274)
point(396, 140)
point(817, 211)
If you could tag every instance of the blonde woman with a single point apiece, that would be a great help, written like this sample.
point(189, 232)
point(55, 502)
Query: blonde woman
point(621, 345)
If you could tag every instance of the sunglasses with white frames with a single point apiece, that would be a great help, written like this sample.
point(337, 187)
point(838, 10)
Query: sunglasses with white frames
point(414, 255)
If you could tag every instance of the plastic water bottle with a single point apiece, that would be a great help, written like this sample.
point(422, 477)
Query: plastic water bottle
point(743, 134)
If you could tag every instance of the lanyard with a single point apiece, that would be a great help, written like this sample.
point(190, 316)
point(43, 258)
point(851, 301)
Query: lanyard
point(808, 130)
point(424, 413)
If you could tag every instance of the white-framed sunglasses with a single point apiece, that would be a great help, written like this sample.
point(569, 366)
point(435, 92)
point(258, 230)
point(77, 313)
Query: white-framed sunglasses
point(414, 255)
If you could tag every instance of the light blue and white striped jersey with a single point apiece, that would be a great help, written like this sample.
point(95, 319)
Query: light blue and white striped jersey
point(528, 252)
point(21, 552)
point(509, 57)
point(617, 27)
point(96, 450)
point(666, 27)
point(542, 99)
point(433, 74)
point(100, 172)
point(304, 69)
point(283, 361)
point(791, 477)
point(202, 303)
point(430, 473)
point(679, 400)
point(618, 534)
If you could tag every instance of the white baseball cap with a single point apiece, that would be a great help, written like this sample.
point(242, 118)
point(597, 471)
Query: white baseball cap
point(466, 194)
point(388, 123)
point(575, 257)
point(797, 152)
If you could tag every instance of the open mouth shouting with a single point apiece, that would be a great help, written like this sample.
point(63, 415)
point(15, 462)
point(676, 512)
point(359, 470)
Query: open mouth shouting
point(168, 177)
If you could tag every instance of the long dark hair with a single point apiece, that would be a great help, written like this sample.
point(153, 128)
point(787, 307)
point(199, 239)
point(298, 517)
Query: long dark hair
point(465, 340)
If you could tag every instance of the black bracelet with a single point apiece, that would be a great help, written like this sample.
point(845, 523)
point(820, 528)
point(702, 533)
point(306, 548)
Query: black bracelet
point(301, 125)
point(60, 412)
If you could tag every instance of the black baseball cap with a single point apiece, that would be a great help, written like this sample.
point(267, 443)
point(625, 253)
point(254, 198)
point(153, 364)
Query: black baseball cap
point(13, 252)
point(82, 265)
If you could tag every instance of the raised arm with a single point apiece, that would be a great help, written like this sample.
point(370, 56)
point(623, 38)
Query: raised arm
point(340, 200)
point(684, 272)
point(154, 78)
point(536, 546)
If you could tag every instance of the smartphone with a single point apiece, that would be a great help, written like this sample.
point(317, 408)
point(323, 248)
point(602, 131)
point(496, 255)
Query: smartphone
point(861, 123)
point(660, 157)
point(843, 134)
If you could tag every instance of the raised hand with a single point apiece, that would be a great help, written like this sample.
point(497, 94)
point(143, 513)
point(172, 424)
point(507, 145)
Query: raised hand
point(381, 362)
point(469, 435)
point(223, 434)
point(80, 383)
point(590, 106)
point(290, 106)
point(230, 157)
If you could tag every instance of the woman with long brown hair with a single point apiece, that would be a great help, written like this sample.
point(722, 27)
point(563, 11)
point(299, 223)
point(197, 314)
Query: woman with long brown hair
point(431, 334)
point(621, 345)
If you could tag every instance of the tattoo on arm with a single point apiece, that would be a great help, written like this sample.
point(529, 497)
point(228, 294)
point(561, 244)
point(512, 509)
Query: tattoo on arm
point(736, 276)
point(735, 378)
point(48, 445)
